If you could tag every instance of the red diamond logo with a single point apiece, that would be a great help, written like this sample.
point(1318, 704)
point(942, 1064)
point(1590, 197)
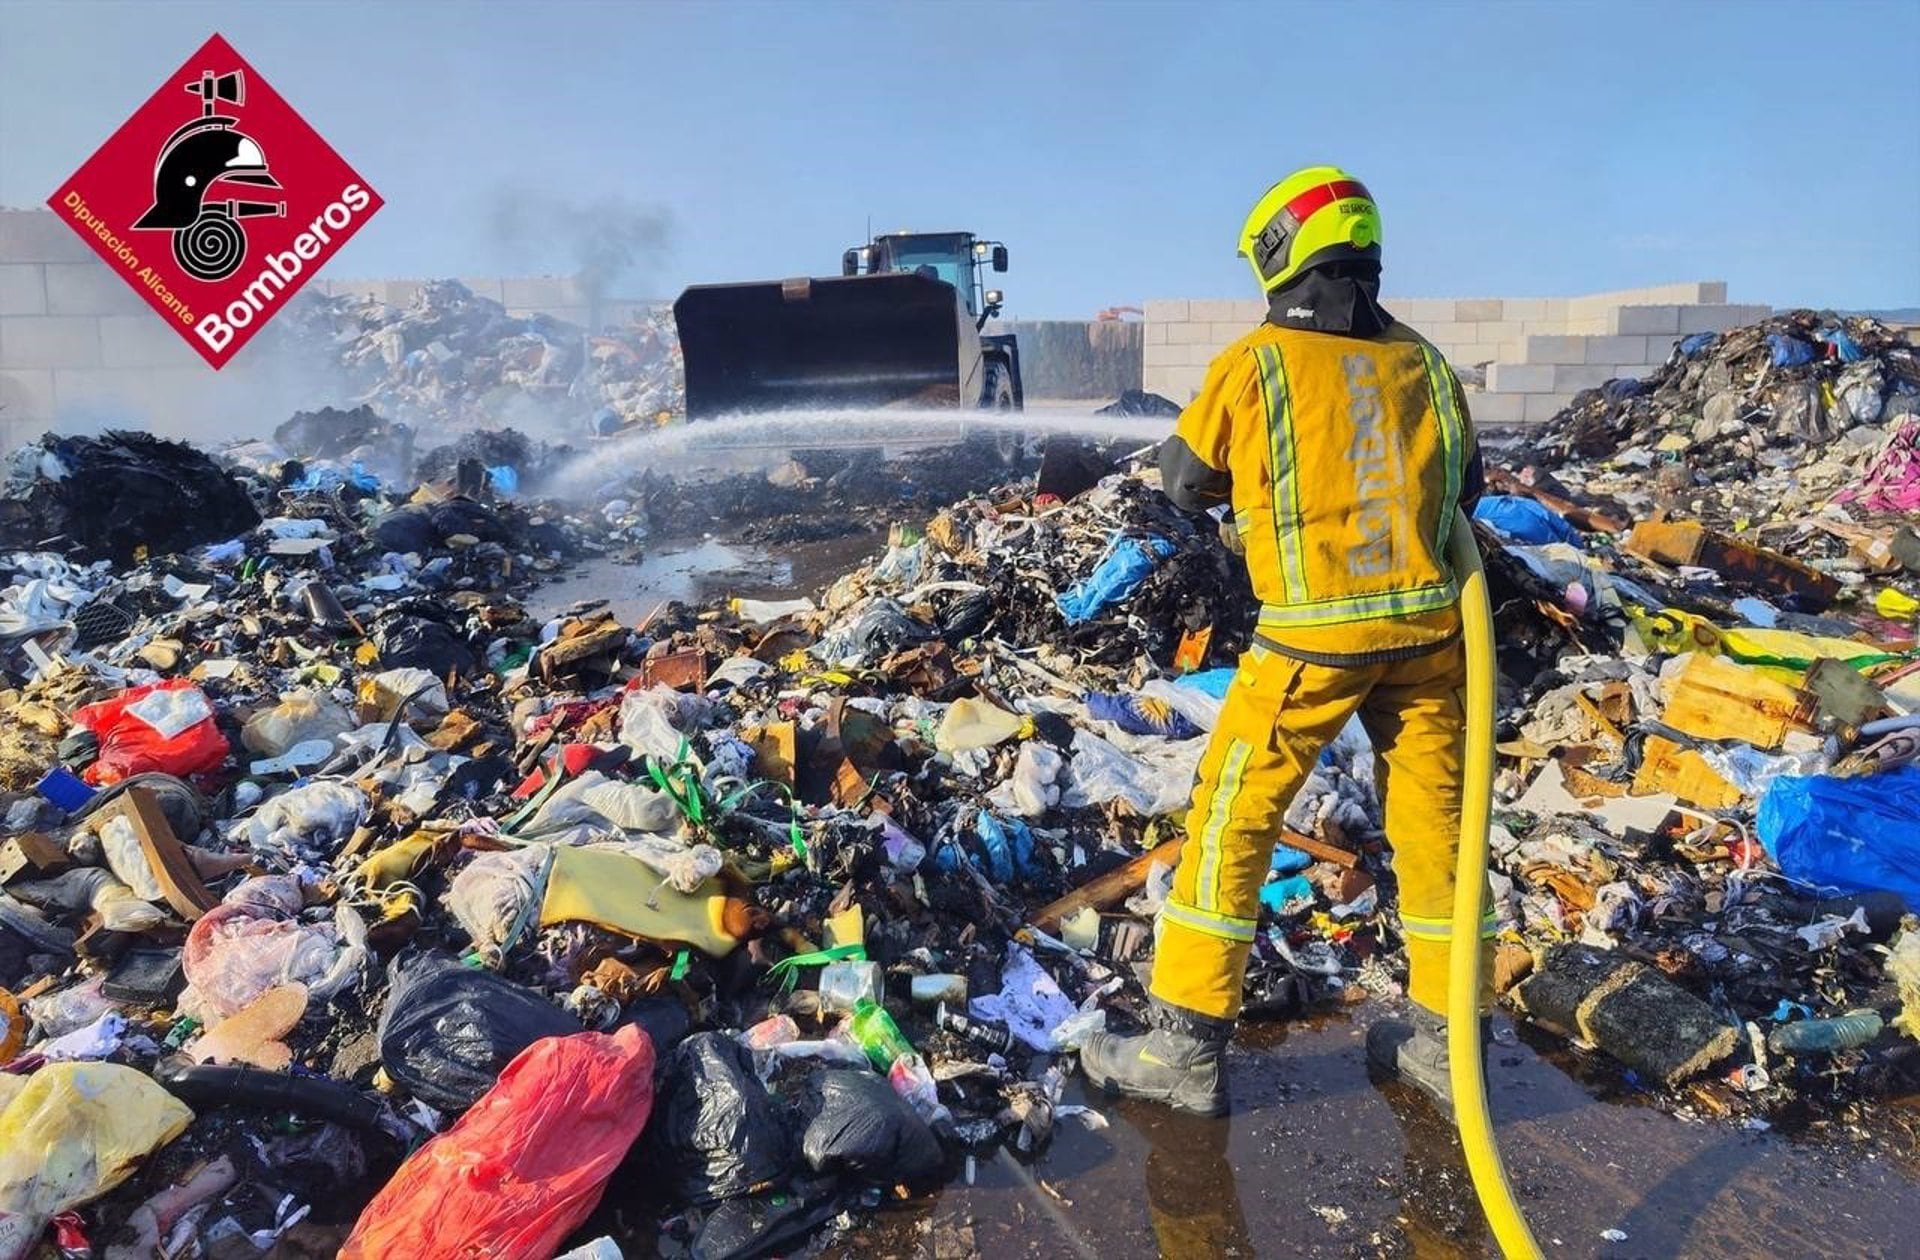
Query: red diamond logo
point(216, 201)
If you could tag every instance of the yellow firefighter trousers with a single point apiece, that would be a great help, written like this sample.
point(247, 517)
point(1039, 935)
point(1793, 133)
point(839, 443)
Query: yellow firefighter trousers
point(1279, 714)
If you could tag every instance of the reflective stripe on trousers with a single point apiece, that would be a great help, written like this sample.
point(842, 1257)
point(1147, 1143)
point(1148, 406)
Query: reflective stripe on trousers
point(1279, 713)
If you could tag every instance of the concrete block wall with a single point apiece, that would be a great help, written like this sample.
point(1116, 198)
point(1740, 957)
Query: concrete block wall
point(80, 350)
point(74, 339)
point(1535, 353)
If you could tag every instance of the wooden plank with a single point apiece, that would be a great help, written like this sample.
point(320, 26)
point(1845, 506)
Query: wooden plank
point(1106, 890)
point(178, 880)
point(1319, 849)
point(33, 854)
point(1691, 543)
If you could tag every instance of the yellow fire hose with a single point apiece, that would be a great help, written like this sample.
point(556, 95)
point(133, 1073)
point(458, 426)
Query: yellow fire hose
point(1475, 1122)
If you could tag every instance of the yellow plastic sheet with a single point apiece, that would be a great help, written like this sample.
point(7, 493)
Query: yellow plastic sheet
point(1896, 605)
point(623, 894)
point(68, 1134)
point(1671, 630)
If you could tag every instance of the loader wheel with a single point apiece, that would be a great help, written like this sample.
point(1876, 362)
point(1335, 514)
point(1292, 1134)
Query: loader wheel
point(998, 396)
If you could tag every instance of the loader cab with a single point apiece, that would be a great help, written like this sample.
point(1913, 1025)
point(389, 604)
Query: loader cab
point(955, 257)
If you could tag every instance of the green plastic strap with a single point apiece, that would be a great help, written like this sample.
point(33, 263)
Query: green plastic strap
point(787, 970)
point(555, 772)
point(680, 964)
point(795, 836)
point(681, 782)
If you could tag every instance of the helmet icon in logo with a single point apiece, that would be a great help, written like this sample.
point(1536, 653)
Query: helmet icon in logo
point(207, 242)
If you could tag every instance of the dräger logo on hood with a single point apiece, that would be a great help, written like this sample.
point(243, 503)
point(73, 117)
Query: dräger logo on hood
point(216, 202)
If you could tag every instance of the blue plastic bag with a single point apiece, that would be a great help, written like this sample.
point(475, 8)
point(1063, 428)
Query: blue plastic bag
point(1288, 860)
point(505, 478)
point(1009, 846)
point(1693, 344)
point(1282, 893)
point(1847, 348)
point(328, 479)
point(1855, 835)
point(1522, 518)
point(1128, 563)
point(1790, 351)
point(1212, 682)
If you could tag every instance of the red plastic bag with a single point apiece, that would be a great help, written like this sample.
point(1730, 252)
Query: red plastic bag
point(166, 726)
point(526, 1164)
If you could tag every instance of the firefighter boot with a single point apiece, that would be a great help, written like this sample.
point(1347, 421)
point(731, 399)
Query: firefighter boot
point(1181, 1062)
point(1415, 1051)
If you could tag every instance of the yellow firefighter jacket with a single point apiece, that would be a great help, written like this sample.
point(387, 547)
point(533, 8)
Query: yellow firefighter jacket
point(1343, 458)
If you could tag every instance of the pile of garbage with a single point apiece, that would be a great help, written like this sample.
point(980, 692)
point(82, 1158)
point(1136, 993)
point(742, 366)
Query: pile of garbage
point(317, 845)
point(337, 888)
point(450, 359)
point(1707, 589)
point(1802, 392)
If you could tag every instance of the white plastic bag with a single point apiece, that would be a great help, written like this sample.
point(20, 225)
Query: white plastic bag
point(497, 890)
point(310, 821)
point(659, 720)
point(300, 716)
point(1151, 783)
point(1035, 785)
point(126, 859)
point(632, 807)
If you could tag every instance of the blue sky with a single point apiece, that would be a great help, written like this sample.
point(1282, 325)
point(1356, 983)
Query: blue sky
point(1516, 149)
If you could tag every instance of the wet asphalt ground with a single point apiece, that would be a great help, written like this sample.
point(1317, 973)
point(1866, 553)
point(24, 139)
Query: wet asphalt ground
point(1316, 1160)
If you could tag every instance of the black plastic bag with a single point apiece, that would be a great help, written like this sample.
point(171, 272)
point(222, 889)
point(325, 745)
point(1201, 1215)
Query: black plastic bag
point(716, 1133)
point(464, 516)
point(412, 642)
point(107, 497)
point(664, 1019)
point(775, 1221)
point(406, 529)
point(448, 1029)
point(866, 1130)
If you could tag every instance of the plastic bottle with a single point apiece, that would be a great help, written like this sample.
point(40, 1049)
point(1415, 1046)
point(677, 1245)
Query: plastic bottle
point(937, 989)
point(1825, 1036)
point(878, 1035)
point(913, 1081)
point(986, 1036)
point(763, 611)
point(847, 985)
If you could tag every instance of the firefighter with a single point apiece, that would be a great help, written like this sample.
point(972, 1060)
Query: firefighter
point(1341, 443)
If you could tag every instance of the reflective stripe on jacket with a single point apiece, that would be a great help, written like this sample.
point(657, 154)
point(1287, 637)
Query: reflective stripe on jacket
point(1343, 459)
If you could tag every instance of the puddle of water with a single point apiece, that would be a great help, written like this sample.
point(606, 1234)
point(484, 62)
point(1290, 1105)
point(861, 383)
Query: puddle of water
point(699, 569)
point(1317, 1161)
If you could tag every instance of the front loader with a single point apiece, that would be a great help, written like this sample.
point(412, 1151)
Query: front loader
point(899, 327)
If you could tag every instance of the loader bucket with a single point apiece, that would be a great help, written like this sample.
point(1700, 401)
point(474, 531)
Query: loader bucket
point(852, 341)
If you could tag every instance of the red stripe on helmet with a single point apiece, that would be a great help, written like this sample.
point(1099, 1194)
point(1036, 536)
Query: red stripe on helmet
point(1321, 195)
